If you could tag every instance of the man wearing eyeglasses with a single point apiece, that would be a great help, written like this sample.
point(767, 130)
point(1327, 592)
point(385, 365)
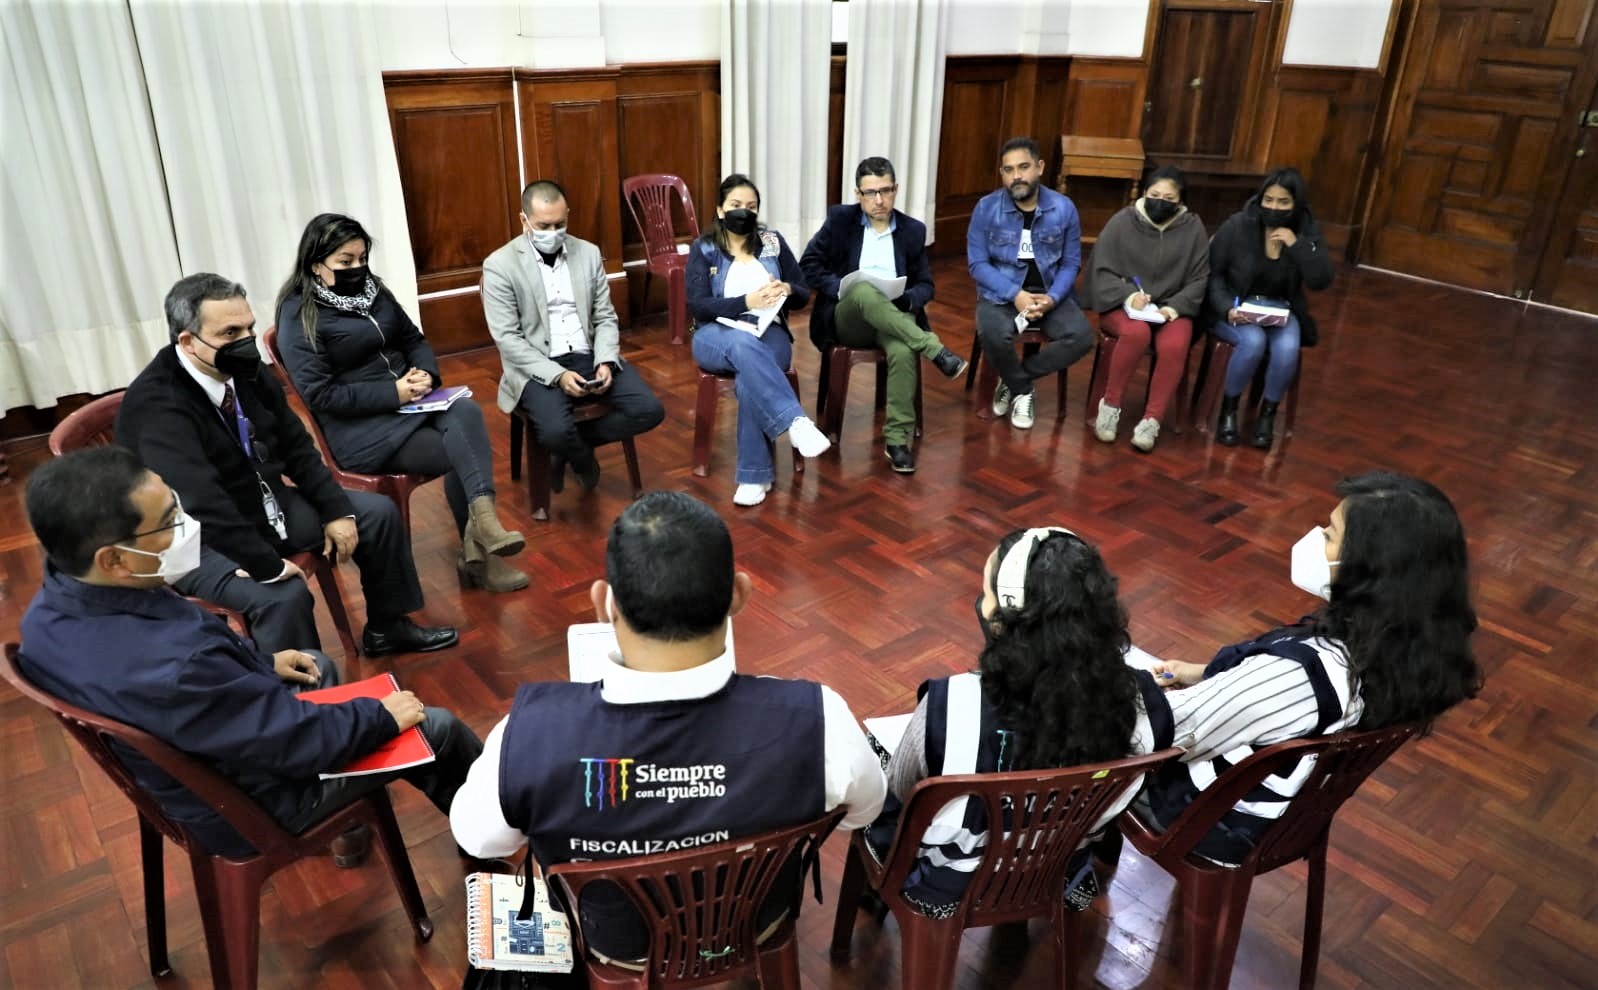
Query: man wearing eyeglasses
point(208, 418)
point(885, 304)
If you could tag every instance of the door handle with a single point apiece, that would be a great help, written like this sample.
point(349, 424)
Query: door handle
point(1197, 82)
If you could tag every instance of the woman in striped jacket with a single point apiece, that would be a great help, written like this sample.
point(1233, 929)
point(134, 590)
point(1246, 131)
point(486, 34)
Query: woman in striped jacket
point(1391, 645)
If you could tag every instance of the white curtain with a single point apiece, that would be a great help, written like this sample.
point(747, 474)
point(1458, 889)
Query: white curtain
point(893, 96)
point(775, 58)
point(88, 251)
point(268, 114)
point(148, 139)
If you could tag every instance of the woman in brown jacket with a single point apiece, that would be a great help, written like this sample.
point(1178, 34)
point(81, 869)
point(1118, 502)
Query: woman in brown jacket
point(1152, 255)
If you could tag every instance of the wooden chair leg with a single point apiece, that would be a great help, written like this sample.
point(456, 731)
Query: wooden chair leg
point(1314, 900)
point(633, 474)
point(928, 950)
point(1290, 405)
point(920, 417)
point(1059, 395)
point(1099, 379)
point(1208, 403)
point(230, 912)
point(327, 580)
point(1067, 936)
point(677, 304)
point(779, 964)
point(880, 399)
point(823, 380)
point(391, 845)
point(850, 889)
point(987, 384)
point(837, 399)
point(704, 423)
point(537, 478)
point(151, 857)
point(516, 426)
point(974, 362)
point(793, 383)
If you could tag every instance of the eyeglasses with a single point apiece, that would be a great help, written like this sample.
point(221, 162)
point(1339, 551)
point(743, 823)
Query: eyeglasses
point(881, 192)
point(176, 524)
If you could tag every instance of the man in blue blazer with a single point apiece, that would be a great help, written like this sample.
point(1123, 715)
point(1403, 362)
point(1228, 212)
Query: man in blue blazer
point(874, 238)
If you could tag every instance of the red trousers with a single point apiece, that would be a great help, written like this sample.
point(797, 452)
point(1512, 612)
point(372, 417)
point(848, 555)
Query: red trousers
point(1132, 340)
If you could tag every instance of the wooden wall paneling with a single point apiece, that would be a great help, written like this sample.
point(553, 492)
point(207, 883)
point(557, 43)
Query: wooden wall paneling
point(836, 74)
point(569, 129)
point(1322, 121)
point(668, 119)
point(1050, 79)
point(979, 112)
point(455, 138)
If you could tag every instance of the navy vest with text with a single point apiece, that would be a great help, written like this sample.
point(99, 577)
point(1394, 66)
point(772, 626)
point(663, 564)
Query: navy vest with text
point(585, 779)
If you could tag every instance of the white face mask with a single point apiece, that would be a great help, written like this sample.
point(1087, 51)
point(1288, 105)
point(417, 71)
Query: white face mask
point(179, 559)
point(549, 241)
point(1311, 571)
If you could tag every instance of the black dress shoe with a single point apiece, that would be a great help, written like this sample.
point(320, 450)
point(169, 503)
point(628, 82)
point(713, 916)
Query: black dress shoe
point(951, 364)
point(1226, 429)
point(557, 473)
point(404, 636)
point(587, 471)
point(901, 458)
point(1265, 426)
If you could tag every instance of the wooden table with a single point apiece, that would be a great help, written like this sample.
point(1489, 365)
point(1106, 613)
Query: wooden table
point(1103, 158)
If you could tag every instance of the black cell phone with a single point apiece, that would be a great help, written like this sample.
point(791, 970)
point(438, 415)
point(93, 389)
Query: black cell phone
point(589, 384)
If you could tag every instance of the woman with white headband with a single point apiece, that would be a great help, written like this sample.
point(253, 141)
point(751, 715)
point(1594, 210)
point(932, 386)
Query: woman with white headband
point(1390, 645)
point(1052, 690)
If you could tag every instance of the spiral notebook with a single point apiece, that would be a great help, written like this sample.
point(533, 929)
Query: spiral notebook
point(497, 939)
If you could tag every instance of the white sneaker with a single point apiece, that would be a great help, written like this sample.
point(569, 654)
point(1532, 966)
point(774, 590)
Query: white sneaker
point(1109, 419)
point(750, 494)
point(1021, 411)
point(806, 439)
point(1001, 399)
point(1144, 434)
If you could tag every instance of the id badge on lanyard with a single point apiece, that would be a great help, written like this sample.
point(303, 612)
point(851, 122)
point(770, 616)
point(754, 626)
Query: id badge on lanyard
point(274, 514)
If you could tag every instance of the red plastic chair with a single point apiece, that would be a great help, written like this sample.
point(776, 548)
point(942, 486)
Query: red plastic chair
point(649, 199)
point(229, 890)
point(711, 385)
point(986, 379)
point(1214, 897)
point(701, 908)
point(1098, 381)
point(397, 487)
point(538, 456)
point(1207, 403)
point(1022, 873)
point(94, 425)
point(832, 388)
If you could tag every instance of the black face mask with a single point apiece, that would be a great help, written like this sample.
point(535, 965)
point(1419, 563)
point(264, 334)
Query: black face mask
point(740, 222)
point(236, 359)
point(1276, 218)
point(350, 281)
point(1160, 210)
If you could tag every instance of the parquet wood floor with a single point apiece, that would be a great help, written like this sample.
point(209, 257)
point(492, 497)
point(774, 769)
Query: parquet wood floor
point(1469, 861)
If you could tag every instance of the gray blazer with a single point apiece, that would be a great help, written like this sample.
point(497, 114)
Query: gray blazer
point(518, 315)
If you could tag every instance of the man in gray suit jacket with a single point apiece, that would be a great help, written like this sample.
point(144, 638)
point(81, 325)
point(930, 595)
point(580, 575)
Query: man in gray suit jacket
point(548, 308)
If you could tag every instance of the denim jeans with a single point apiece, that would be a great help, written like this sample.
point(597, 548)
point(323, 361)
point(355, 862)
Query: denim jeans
point(1250, 343)
point(766, 403)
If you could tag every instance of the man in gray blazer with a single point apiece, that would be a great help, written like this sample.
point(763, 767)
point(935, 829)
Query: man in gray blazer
point(548, 308)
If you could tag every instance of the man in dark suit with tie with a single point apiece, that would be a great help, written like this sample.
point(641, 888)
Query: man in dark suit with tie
point(874, 238)
point(209, 419)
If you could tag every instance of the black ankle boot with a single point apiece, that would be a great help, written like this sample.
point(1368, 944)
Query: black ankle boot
point(1226, 431)
point(1265, 426)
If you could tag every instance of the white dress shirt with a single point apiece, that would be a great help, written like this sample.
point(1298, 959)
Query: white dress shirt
point(566, 333)
point(876, 250)
point(853, 773)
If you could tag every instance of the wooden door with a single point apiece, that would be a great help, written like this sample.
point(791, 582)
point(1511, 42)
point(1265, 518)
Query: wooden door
point(1209, 58)
point(1483, 131)
point(1567, 274)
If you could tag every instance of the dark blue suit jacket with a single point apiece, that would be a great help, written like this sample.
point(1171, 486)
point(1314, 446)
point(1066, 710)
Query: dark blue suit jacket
point(160, 663)
point(835, 252)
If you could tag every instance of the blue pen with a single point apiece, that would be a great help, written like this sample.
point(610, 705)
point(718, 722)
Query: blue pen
point(1166, 676)
point(1137, 282)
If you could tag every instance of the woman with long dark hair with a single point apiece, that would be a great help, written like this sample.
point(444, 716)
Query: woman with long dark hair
point(1265, 255)
point(1391, 645)
point(1052, 689)
point(738, 271)
point(356, 358)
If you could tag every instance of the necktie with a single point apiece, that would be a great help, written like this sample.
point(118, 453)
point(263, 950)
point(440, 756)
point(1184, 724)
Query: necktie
point(229, 404)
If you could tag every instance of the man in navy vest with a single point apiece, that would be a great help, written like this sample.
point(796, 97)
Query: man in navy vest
point(673, 749)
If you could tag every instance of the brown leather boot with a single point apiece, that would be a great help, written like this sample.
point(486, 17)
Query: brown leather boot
point(479, 569)
point(484, 526)
point(350, 849)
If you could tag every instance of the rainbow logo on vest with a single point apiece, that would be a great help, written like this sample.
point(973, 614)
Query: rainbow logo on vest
point(605, 781)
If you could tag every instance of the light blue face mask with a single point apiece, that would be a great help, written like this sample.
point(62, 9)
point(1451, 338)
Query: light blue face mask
point(548, 241)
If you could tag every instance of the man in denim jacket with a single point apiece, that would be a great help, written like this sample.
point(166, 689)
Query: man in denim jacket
point(1024, 249)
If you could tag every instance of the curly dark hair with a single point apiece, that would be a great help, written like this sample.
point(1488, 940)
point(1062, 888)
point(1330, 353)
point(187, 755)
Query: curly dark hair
point(1400, 602)
point(1054, 668)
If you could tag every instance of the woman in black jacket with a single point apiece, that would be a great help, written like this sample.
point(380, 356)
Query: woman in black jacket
point(356, 358)
point(1266, 254)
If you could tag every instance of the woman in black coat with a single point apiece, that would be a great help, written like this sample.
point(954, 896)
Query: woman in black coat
point(1265, 254)
point(356, 358)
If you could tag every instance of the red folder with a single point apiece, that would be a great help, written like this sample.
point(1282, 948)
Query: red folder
point(408, 749)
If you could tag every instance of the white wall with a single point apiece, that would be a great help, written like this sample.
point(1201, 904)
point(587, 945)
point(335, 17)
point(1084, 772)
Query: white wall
point(1337, 32)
